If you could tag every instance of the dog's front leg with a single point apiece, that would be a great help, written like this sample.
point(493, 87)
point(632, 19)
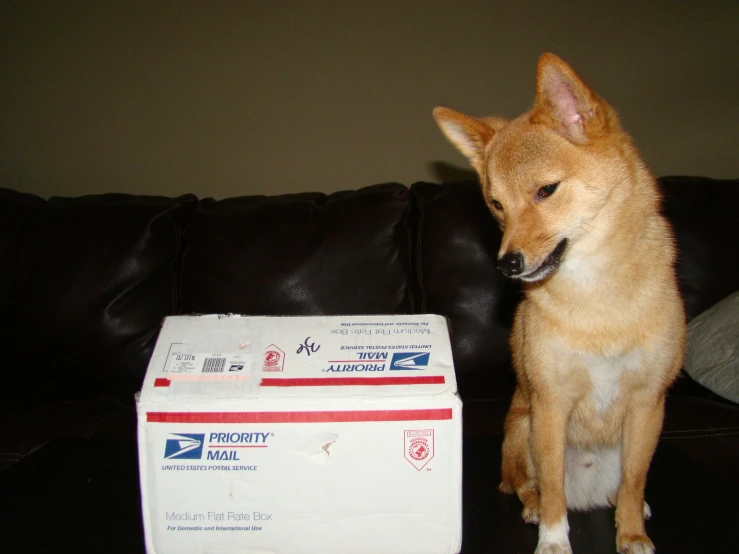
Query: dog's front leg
point(548, 439)
point(642, 427)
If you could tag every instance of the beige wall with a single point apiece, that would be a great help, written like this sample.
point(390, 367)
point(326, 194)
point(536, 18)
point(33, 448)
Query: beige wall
point(244, 97)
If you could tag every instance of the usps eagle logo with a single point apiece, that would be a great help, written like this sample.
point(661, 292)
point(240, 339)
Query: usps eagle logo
point(185, 446)
point(409, 360)
point(419, 447)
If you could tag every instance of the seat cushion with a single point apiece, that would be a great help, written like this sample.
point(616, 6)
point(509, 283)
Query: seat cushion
point(31, 423)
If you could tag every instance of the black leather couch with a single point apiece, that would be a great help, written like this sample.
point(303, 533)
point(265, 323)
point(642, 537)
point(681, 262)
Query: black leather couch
point(85, 283)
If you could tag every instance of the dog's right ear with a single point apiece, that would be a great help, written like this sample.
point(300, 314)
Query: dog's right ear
point(567, 104)
point(468, 134)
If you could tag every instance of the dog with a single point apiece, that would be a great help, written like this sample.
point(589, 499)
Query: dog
point(599, 336)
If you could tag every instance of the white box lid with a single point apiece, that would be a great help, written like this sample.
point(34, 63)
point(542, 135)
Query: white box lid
point(229, 357)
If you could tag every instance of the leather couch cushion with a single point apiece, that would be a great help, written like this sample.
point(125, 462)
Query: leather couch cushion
point(96, 276)
point(457, 246)
point(300, 254)
point(35, 421)
point(704, 216)
point(14, 210)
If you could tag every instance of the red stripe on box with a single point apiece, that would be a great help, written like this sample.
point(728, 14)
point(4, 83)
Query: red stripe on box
point(162, 382)
point(300, 417)
point(352, 381)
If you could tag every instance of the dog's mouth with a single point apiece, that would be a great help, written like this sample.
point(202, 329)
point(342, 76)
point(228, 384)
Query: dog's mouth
point(550, 263)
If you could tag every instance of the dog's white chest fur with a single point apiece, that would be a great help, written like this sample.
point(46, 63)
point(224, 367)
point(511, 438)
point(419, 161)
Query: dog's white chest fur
point(605, 376)
point(593, 475)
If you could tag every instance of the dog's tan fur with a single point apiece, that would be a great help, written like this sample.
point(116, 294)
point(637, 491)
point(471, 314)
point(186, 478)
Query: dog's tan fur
point(596, 342)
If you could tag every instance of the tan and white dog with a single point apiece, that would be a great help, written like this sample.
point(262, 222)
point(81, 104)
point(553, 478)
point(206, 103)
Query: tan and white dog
point(599, 336)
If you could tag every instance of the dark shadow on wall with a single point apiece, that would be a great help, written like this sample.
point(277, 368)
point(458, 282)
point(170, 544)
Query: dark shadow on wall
point(445, 172)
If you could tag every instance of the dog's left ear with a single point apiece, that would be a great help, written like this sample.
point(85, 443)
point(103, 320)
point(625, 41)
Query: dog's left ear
point(566, 103)
point(470, 135)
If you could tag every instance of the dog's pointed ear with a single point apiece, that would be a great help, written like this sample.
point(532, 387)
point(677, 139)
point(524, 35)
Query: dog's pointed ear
point(566, 103)
point(468, 134)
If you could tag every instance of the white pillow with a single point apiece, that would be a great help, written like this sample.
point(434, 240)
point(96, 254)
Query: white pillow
point(712, 350)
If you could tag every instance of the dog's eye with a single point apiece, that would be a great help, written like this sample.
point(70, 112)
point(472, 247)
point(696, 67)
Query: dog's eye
point(547, 190)
point(497, 205)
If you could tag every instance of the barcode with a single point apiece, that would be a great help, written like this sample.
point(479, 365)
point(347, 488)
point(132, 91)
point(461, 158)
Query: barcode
point(214, 365)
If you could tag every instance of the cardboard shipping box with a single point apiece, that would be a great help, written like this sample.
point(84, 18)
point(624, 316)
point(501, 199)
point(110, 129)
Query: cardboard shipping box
point(301, 435)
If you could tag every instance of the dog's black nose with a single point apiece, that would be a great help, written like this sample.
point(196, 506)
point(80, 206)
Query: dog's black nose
point(511, 264)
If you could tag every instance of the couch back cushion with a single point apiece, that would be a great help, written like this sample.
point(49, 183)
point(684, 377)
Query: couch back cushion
point(15, 208)
point(456, 250)
point(96, 276)
point(300, 254)
point(705, 218)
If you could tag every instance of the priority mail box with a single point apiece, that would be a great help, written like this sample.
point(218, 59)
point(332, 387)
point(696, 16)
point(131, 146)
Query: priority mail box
point(301, 435)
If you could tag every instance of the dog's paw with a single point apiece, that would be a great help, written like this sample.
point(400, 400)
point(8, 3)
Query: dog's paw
point(531, 514)
point(634, 544)
point(530, 499)
point(553, 539)
point(554, 548)
point(647, 511)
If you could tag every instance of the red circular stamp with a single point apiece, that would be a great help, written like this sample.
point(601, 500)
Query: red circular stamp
point(419, 449)
point(272, 358)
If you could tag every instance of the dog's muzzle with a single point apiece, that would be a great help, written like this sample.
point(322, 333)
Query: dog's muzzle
point(512, 264)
